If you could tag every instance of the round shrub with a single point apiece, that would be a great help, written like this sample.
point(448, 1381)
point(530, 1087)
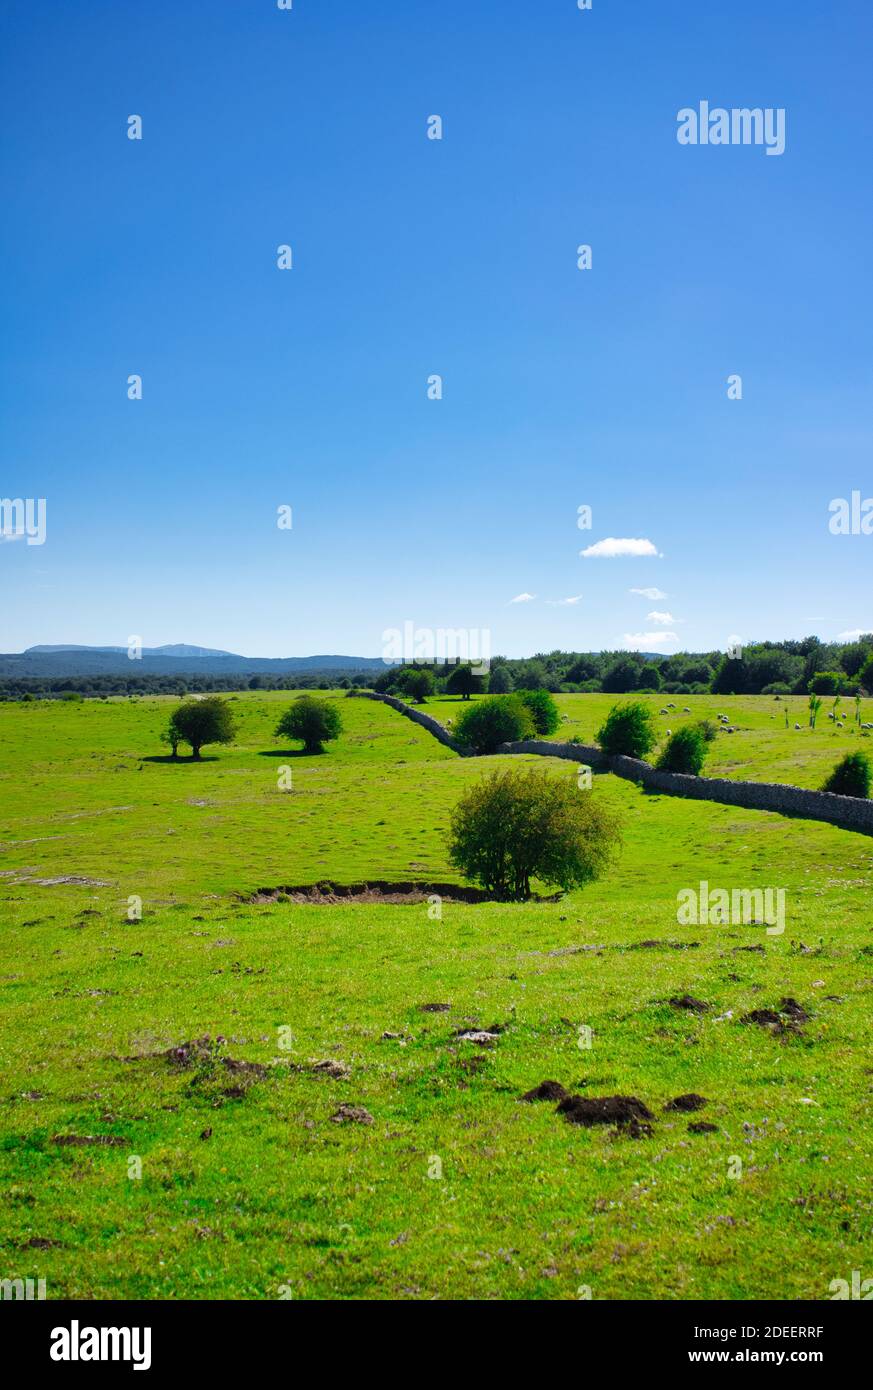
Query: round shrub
point(311, 719)
point(523, 824)
point(852, 776)
point(543, 710)
point(629, 730)
point(685, 751)
point(826, 683)
point(499, 719)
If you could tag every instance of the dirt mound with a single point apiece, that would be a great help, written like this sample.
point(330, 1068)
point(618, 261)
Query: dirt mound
point(603, 1110)
point(687, 1001)
point(702, 1127)
point(691, 1101)
point(352, 1115)
point(547, 1090)
point(794, 1010)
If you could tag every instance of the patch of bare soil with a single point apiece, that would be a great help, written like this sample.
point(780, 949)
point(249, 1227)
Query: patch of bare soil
point(702, 1127)
point(434, 1008)
point(605, 1110)
point(373, 891)
point(68, 879)
point(352, 1115)
point(653, 944)
point(687, 1001)
point(547, 1090)
point(79, 1140)
point(691, 1101)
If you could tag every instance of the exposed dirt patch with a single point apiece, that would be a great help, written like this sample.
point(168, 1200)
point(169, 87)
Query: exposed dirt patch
point(477, 1035)
point(687, 1001)
point(763, 1017)
point(794, 1010)
point(337, 1071)
point(547, 1090)
point(691, 1101)
point(434, 1008)
point(68, 879)
point(702, 1127)
point(80, 1140)
point(603, 1110)
point(373, 891)
point(352, 1115)
point(652, 945)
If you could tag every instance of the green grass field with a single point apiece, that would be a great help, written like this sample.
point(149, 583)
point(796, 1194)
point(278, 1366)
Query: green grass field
point(250, 1189)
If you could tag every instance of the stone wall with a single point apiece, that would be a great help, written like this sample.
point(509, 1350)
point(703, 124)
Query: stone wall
point(418, 717)
point(847, 811)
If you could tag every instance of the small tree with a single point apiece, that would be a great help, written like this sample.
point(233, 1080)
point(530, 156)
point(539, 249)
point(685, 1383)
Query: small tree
point(628, 730)
point(172, 736)
point(685, 751)
point(815, 704)
point(416, 682)
point(463, 681)
point(200, 722)
point(522, 824)
point(499, 719)
point(852, 776)
point(312, 719)
point(500, 681)
point(543, 710)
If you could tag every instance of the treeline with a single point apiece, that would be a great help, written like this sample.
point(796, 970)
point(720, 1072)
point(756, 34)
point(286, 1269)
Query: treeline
point(97, 687)
point(768, 668)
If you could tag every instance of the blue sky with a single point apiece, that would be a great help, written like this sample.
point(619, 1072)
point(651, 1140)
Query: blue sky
point(307, 387)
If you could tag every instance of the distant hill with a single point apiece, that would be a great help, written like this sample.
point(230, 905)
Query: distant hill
point(179, 659)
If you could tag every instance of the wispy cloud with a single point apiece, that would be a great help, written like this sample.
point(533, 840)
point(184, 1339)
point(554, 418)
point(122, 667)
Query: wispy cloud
point(614, 547)
point(651, 594)
point(855, 633)
point(564, 602)
point(664, 619)
point(523, 598)
point(649, 641)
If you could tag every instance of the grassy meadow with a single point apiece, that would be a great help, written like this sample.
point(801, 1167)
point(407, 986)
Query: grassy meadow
point(128, 1172)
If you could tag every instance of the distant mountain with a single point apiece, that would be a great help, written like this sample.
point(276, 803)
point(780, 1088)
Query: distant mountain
point(177, 659)
point(172, 649)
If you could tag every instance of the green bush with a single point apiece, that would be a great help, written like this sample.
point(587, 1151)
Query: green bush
point(866, 674)
point(499, 719)
point(524, 824)
point(416, 682)
point(776, 688)
point(500, 681)
point(826, 683)
point(685, 751)
point(311, 719)
point(543, 710)
point(628, 729)
point(852, 776)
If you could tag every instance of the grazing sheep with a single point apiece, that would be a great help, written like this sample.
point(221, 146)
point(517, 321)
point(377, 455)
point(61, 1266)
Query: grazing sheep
point(797, 726)
point(687, 709)
point(662, 711)
point(669, 731)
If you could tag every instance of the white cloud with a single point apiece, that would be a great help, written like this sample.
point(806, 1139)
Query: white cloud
point(651, 594)
point(649, 641)
point(613, 547)
point(523, 598)
point(564, 602)
point(855, 633)
point(665, 619)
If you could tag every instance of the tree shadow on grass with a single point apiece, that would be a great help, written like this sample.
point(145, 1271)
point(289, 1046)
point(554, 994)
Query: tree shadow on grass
point(289, 753)
point(180, 762)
